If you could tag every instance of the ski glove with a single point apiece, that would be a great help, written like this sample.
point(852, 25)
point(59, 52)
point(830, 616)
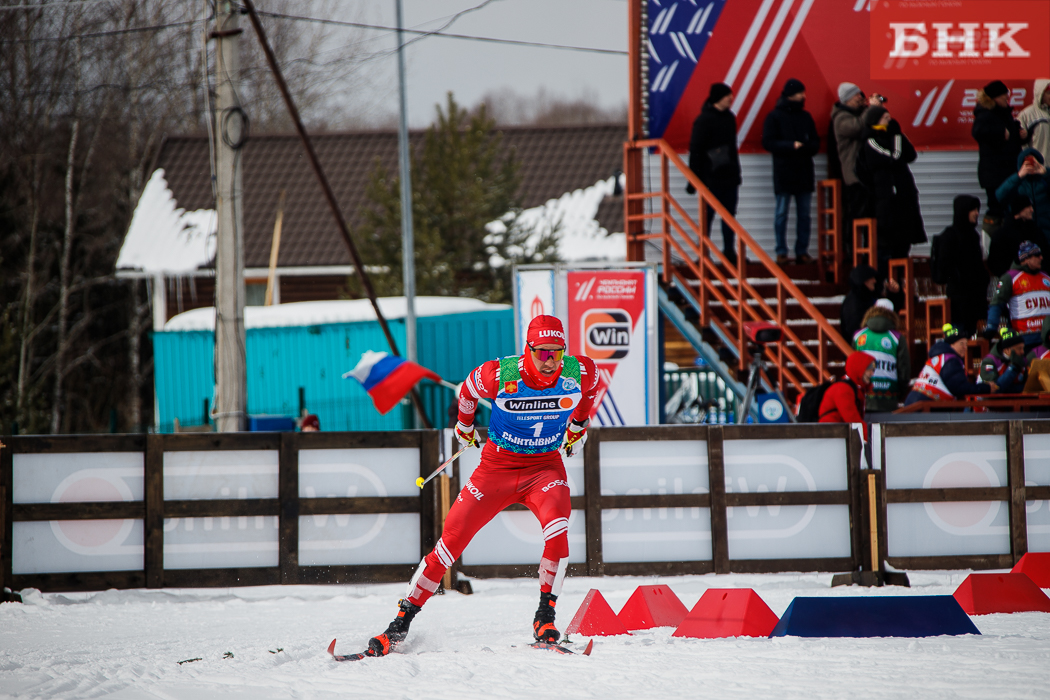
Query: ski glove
point(575, 436)
point(467, 436)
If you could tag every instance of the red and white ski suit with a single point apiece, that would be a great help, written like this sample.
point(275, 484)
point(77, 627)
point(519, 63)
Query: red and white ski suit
point(503, 477)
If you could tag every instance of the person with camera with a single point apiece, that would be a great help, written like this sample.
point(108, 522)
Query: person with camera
point(713, 157)
point(847, 132)
point(944, 377)
point(1031, 180)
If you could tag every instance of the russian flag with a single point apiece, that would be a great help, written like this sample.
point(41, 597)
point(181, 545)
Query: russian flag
point(387, 378)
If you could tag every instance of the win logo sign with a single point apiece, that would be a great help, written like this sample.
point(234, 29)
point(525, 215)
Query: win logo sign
point(606, 334)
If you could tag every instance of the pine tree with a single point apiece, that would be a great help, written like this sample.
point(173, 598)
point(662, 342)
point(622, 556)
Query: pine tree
point(465, 210)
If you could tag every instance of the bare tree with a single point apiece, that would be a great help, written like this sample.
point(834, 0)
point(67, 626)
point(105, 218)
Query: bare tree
point(511, 108)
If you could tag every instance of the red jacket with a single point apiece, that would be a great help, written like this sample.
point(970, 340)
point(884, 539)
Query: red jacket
point(844, 401)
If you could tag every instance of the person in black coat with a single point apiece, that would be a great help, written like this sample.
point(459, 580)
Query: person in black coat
point(713, 157)
point(1018, 226)
point(882, 165)
point(790, 134)
point(863, 283)
point(964, 263)
point(999, 138)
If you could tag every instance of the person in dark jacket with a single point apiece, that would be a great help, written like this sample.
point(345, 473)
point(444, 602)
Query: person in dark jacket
point(1005, 365)
point(944, 376)
point(863, 281)
point(881, 338)
point(883, 166)
point(713, 157)
point(1018, 227)
point(790, 134)
point(999, 137)
point(843, 401)
point(1031, 180)
point(846, 135)
point(963, 261)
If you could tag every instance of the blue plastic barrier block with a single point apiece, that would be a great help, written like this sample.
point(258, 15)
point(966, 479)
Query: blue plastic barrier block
point(268, 424)
point(871, 616)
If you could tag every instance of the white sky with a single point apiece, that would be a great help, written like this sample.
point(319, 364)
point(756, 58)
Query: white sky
point(436, 65)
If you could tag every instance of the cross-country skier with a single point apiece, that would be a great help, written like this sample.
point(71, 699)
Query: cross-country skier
point(542, 399)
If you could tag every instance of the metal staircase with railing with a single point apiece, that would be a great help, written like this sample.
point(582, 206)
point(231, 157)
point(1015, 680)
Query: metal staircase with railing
point(717, 296)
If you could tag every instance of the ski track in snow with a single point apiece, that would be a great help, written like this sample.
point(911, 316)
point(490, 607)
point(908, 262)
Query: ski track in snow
point(126, 644)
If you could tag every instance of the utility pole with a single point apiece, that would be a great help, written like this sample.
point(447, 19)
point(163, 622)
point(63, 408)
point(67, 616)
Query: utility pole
point(408, 248)
point(231, 131)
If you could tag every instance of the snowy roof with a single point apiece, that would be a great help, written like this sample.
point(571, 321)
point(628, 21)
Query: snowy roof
point(554, 161)
point(315, 313)
point(162, 237)
point(580, 235)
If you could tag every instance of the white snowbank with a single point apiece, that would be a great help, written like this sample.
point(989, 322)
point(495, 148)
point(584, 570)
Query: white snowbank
point(313, 313)
point(127, 644)
point(165, 239)
point(580, 237)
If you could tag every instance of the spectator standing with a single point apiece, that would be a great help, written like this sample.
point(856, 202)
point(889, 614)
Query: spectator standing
point(880, 337)
point(713, 157)
point(1022, 296)
point(1035, 118)
point(790, 134)
point(883, 166)
point(999, 137)
point(944, 376)
point(847, 138)
point(1033, 181)
point(1005, 365)
point(967, 277)
point(863, 280)
point(1018, 227)
point(843, 401)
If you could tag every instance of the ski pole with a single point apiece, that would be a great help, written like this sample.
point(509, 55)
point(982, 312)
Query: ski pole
point(420, 482)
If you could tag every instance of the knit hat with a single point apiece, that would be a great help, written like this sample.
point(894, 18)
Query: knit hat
point(1008, 337)
point(951, 333)
point(545, 330)
point(1027, 250)
point(718, 91)
point(996, 88)
point(847, 91)
point(884, 304)
point(310, 421)
point(874, 114)
point(792, 87)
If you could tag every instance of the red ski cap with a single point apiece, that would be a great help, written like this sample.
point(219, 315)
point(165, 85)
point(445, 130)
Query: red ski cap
point(546, 330)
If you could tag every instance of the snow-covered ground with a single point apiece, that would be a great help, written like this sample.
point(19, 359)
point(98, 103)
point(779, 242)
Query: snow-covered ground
point(126, 644)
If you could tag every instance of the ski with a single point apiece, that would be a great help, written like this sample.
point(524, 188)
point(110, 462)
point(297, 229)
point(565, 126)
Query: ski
point(345, 657)
point(560, 649)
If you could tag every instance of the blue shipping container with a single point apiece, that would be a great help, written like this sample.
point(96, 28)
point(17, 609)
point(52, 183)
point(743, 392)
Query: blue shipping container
point(281, 360)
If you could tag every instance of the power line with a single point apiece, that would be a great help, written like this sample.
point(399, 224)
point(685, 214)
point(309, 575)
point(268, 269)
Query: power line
point(51, 5)
point(422, 33)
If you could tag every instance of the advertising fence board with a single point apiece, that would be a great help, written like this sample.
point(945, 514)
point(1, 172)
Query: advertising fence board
point(96, 512)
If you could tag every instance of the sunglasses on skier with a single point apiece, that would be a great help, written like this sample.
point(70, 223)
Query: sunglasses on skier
point(544, 355)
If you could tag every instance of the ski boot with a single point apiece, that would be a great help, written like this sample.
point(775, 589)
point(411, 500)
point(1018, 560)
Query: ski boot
point(396, 631)
point(543, 624)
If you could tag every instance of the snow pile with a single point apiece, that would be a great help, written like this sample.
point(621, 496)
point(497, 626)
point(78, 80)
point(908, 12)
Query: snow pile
point(315, 313)
point(165, 239)
point(571, 217)
point(127, 644)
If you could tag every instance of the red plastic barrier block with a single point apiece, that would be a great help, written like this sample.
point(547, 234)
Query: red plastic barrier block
point(652, 606)
point(983, 594)
point(1035, 565)
point(728, 612)
point(595, 618)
